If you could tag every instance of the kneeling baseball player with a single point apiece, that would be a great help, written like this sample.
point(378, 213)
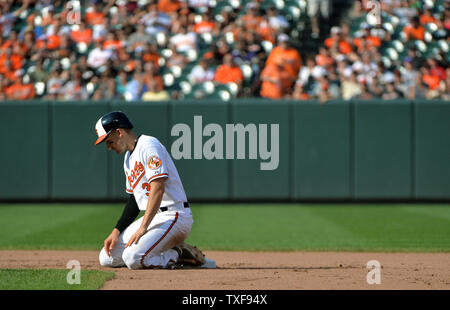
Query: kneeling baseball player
point(156, 240)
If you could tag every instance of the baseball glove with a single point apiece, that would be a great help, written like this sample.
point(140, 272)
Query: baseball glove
point(190, 255)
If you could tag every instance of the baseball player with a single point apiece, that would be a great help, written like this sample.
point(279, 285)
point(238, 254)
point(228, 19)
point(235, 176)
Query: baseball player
point(156, 240)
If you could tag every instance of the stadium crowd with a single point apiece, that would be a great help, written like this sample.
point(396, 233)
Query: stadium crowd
point(143, 50)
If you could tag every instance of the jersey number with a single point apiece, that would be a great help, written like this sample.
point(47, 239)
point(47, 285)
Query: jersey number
point(147, 187)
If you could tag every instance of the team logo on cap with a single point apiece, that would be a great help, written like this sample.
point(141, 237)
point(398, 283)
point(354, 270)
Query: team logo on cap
point(154, 162)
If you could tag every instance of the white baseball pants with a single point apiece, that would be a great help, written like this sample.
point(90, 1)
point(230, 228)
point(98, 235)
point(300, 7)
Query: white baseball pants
point(154, 249)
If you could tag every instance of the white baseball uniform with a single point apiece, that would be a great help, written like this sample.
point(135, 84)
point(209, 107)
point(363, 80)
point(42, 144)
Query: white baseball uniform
point(172, 223)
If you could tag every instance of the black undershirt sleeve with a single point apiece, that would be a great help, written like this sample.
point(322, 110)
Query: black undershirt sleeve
point(129, 214)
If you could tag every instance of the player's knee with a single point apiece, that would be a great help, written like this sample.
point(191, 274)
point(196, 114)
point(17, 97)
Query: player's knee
point(132, 259)
point(105, 260)
point(109, 261)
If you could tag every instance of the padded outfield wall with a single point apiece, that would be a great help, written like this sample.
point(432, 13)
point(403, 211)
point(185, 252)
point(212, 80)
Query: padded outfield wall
point(354, 150)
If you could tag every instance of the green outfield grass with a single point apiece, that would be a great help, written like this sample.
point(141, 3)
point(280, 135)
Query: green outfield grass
point(253, 227)
point(51, 279)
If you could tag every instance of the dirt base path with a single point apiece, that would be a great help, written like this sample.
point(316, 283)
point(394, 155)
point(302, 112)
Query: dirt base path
point(262, 270)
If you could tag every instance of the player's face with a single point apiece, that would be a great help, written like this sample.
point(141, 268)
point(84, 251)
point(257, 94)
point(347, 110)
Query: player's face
point(115, 142)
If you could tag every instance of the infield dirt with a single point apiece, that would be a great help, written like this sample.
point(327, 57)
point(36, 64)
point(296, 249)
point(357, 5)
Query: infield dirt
point(262, 270)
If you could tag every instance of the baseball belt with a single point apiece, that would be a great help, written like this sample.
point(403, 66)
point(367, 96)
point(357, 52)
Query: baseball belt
point(164, 209)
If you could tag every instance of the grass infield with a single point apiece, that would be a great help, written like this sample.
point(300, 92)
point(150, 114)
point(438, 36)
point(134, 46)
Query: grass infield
point(236, 227)
point(51, 279)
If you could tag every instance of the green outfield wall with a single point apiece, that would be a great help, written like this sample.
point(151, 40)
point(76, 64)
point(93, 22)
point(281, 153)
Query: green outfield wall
point(240, 150)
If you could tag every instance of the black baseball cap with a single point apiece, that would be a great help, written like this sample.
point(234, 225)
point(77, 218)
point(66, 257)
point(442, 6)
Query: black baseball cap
point(109, 122)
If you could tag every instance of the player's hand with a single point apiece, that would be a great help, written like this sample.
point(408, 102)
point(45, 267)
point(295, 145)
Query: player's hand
point(111, 241)
point(136, 236)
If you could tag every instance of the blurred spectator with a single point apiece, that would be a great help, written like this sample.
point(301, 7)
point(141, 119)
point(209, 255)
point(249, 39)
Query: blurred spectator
point(7, 19)
point(120, 17)
point(275, 80)
point(29, 44)
point(229, 72)
point(150, 53)
point(184, 41)
point(217, 52)
point(350, 87)
point(309, 72)
point(436, 69)
point(408, 74)
point(176, 58)
point(446, 86)
point(206, 25)
point(99, 56)
point(385, 75)
point(112, 42)
point(289, 55)
point(6, 68)
point(150, 74)
point(169, 6)
point(338, 41)
point(414, 57)
point(446, 18)
point(414, 31)
point(82, 34)
point(277, 21)
point(139, 38)
point(12, 39)
point(134, 87)
point(323, 90)
point(184, 18)
point(365, 67)
point(153, 93)
point(54, 84)
point(201, 5)
point(420, 89)
point(404, 10)
point(365, 93)
point(19, 90)
point(106, 89)
point(357, 10)
point(391, 92)
point(74, 90)
point(313, 8)
point(64, 50)
point(252, 19)
point(95, 15)
point(266, 31)
point(17, 57)
point(39, 74)
point(201, 73)
point(324, 58)
point(121, 82)
point(432, 81)
point(155, 21)
point(367, 40)
point(299, 93)
point(253, 52)
point(86, 72)
point(427, 16)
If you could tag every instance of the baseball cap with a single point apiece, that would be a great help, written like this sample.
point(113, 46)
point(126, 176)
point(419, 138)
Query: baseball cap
point(252, 5)
point(110, 121)
point(335, 30)
point(283, 37)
